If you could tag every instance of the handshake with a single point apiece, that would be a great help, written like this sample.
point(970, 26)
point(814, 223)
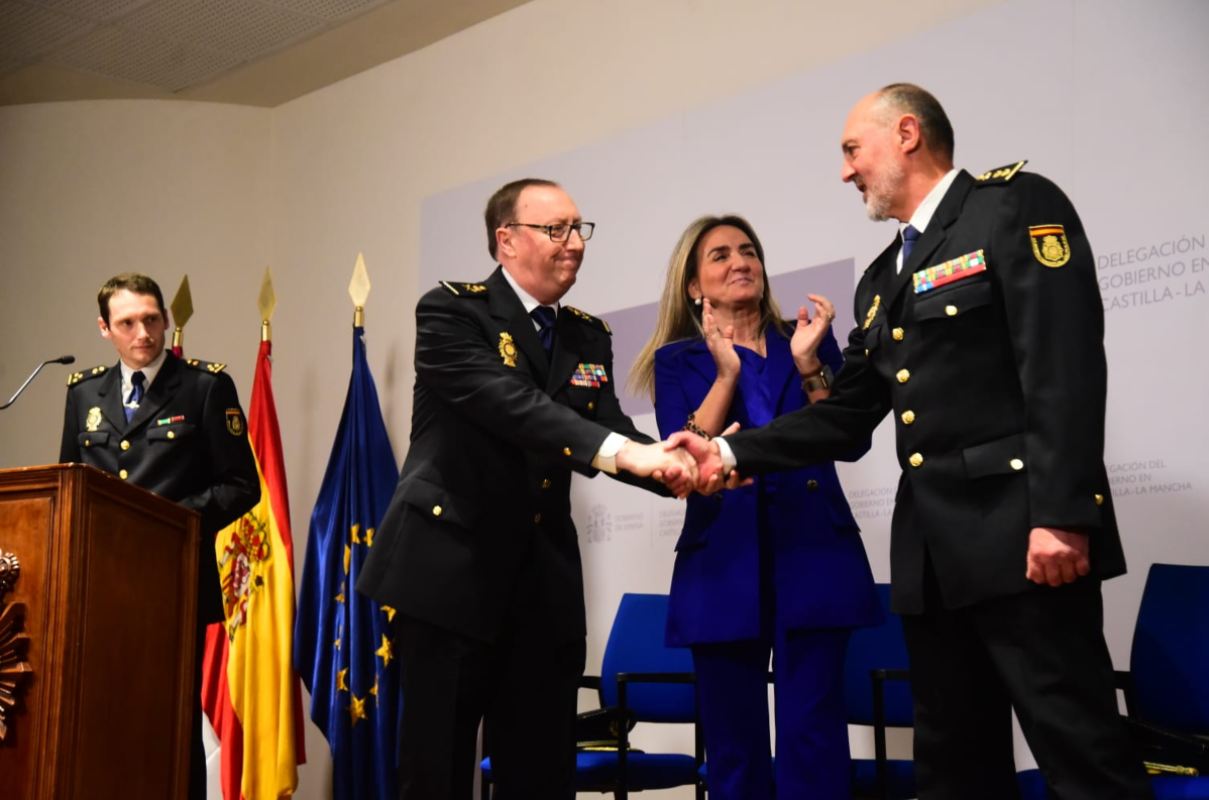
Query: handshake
point(684, 463)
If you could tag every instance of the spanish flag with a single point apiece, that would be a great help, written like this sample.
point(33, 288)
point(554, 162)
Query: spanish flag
point(250, 690)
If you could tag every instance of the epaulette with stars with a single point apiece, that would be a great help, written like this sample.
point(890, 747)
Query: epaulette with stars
point(591, 320)
point(1000, 175)
point(459, 289)
point(205, 366)
point(84, 375)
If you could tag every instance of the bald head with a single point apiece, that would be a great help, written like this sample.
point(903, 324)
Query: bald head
point(935, 130)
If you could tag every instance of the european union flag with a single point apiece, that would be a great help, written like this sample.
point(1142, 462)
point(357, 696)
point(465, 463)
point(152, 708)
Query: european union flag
point(342, 641)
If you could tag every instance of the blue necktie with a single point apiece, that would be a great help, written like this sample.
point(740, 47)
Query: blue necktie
point(136, 394)
point(910, 237)
point(545, 316)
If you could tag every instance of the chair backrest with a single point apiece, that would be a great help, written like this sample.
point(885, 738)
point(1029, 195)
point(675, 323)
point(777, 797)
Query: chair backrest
point(878, 647)
point(636, 644)
point(1169, 661)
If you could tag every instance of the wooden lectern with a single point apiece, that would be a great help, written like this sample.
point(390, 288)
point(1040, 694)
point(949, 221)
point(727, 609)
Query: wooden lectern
point(107, 580)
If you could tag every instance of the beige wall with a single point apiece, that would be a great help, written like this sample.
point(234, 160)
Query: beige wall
point(219, 192)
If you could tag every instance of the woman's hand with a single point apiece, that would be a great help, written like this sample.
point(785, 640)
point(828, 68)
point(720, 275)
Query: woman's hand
point(721, 344)
point(809, 333)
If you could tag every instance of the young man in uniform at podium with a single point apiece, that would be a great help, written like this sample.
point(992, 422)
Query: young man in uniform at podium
point(171, 426)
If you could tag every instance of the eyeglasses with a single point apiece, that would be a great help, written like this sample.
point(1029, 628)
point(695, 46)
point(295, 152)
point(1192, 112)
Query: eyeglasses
point(560, 232)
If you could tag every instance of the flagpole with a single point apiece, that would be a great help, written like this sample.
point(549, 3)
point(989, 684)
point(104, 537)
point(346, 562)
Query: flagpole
point(266, 301)
point(358, 290)
point(182, 310)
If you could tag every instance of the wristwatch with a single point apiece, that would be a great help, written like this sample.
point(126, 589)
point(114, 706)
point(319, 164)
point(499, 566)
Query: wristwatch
point(817, 380)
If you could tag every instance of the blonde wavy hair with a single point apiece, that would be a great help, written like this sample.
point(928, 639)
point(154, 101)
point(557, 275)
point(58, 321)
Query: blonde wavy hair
point(678, 317)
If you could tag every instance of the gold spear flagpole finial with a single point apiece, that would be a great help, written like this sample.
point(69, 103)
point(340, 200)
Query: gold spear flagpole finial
point(266, 302)
point(358, 289)
point(182, 310)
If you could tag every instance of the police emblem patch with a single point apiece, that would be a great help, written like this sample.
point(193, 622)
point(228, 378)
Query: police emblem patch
point(234, 422)
point(1050, 246)
point(93, 422)
point(507, 349)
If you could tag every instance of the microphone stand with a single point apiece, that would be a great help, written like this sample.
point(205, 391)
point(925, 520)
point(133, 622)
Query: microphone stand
point(34, 374)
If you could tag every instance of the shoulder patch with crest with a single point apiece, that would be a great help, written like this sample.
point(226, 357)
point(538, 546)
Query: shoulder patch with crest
point(84, 375)
point(591, 320)
point(1000, 175)
point(205, 366)
point(460, 289)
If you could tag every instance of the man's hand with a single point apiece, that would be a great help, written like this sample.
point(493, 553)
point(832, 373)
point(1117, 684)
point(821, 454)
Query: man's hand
point(710, 475)
point(1056, 556)
point(675, 469)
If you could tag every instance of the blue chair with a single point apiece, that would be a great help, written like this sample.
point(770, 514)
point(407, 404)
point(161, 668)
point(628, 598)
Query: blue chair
point(878, 694)
point(644, 680)
point(1167, 686)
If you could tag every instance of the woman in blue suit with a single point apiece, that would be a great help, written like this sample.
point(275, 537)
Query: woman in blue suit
point(776, 565)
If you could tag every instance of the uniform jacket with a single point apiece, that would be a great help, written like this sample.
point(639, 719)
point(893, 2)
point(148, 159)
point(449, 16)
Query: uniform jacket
point(995, 375)
point(820, 575)
point(188, 442)
point(479, 532)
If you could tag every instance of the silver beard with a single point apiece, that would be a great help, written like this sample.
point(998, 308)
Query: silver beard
point(878, 195)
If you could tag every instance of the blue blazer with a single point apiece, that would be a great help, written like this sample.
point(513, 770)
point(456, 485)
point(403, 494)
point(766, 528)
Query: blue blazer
point(820, 575)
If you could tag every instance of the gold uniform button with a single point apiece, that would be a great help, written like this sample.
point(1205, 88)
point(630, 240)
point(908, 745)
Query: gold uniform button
point(591, 405)
point(866, 352)
point(537, 518)
point(545, 483)
point(566, 451)
point(898, 334)
point(171, 434)
point(1099, 499)
point(1016, 464)
point(88, 442)
point(437, 511)
point(903, 375)
point(908, 417)
point(122, 474)
point(916, 460)
point(125, 445)
point(812, 485)
point(951, 310)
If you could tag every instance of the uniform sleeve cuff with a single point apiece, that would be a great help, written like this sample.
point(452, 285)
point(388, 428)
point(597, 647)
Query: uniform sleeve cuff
point(728, 455)
point(605, 459)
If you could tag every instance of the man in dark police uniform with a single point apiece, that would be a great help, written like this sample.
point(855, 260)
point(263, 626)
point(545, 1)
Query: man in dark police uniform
point(477, 552)
point(174, 427)
point(980, 328)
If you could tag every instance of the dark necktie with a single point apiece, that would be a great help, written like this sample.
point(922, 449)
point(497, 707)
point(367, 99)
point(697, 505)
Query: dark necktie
point(544, 316)
point(910, 237)
point(136, 394)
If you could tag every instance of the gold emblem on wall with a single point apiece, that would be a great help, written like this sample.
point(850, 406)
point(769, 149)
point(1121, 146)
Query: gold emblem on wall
point(14, 645)
point(507, 349)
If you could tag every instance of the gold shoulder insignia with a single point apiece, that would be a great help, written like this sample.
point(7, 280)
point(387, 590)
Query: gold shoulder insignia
point(459, 289)
point(1000, 174)
point(586, 317)
point(84, 375)
point(207, 366)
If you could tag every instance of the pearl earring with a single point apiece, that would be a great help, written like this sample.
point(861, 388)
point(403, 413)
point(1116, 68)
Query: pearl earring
point(697, 301)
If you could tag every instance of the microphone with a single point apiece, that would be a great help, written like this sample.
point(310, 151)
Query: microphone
point(34, 374)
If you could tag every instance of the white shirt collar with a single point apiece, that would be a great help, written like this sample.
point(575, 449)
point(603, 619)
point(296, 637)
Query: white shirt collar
point(924, 211)
point(527, 300)
point(149, 373)
point(927, 207)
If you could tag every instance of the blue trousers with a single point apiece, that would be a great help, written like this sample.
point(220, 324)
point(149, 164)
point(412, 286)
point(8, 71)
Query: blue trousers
point(812, 760)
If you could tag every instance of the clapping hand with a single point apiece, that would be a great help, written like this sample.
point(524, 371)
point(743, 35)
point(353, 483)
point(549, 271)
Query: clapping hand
point(809, 333)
